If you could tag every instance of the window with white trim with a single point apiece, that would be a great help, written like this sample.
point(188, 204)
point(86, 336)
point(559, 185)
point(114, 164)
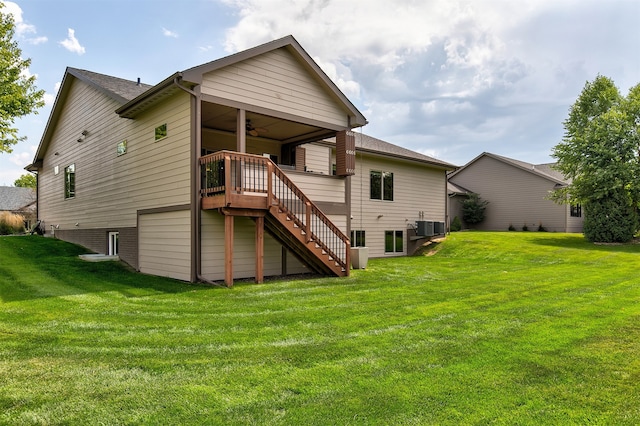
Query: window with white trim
point(381, 185)
point(114, 242)
point(70, 181)
point(393, 241)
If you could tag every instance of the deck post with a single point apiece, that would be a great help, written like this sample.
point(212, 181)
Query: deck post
point(259, 249)
point(228, 250)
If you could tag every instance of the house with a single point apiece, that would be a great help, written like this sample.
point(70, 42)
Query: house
point(518, 195)
point(219, 172)
point(393, 189)
point(20, 201)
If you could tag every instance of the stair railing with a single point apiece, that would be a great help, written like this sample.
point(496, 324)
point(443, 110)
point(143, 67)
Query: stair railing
point(226, 172)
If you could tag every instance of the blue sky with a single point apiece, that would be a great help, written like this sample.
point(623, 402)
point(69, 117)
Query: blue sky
point(446, 78)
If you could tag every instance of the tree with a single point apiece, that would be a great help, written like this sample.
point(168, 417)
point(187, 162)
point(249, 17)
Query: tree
point(599, 154)
point(26, 181)
point(18, 93)
point(473, 208)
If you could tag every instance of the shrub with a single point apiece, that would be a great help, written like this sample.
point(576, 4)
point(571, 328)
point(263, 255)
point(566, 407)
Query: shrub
point(11, 223)
point(473, 209)
point(610, 219)
point(525, 228)
point(541, 228)
point(456, 225)
point(511, 227)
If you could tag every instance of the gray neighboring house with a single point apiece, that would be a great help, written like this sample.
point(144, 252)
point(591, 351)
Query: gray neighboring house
point(20, 201)
point(517, 192)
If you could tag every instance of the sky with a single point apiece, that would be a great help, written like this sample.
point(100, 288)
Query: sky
point(446, 78)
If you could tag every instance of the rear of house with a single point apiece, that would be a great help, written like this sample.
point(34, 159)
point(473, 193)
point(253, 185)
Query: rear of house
point(242, 167)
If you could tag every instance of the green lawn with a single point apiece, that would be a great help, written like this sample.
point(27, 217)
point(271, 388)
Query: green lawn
point(494, 328)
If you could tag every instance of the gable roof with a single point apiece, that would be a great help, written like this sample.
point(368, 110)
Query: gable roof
point(135, 97)
point(545, 170)
point(118, 89)
point(15, 198)
point(371, 145)
point(194, 76)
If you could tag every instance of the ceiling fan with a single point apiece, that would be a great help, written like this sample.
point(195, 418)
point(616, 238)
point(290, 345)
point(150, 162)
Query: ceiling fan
point(254, 131)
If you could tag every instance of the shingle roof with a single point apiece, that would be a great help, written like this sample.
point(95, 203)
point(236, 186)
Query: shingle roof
point(118, 88)
point(366, 143)
point(544, 170)
point(15, 198)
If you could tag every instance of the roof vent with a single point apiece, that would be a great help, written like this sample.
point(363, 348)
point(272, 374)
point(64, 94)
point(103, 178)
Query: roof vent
point(138, 81)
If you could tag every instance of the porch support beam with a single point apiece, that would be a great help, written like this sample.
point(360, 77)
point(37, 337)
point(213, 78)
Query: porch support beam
point(259, 249)
point(241, 131)
point(228, 250)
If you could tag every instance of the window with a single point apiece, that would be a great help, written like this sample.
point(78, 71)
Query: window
point(381, 185)
point(122, 148)
point(161, 131)
point(70, 181)
point(113, 243)
point(393, 241)
point(576, 210)
point(357, 239)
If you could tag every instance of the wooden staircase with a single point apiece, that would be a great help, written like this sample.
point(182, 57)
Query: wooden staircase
point(285, 229)
point(251, 185)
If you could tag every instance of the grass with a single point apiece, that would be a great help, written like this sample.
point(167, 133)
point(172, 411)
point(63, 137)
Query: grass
point(494, 328)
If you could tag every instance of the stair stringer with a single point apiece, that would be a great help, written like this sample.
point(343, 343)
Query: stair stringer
point(284, 229)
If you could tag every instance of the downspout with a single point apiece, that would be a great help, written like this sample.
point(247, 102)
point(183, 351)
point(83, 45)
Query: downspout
point(195, 201)
point(446, 203)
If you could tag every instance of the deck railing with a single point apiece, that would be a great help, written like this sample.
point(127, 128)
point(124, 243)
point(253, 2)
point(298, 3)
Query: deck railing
point(228, 172)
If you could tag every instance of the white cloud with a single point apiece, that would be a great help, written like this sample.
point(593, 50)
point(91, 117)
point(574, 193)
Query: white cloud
point(483, 75)
point(21, 159)
point(37, 40)
point(23, 29)
point(72, 44)
point(169, 33)
point(50, 98)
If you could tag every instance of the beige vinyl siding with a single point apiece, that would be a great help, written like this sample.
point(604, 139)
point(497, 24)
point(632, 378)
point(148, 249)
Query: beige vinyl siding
point(516, 197)
point(276, 81)
point(319, 187)
point(417, 188)
point(165, 244)
point(574, 224)
point(110, 189)
point(318, 159)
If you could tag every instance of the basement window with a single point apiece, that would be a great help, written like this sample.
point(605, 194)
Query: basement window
point(114, 241)
point(393, 241)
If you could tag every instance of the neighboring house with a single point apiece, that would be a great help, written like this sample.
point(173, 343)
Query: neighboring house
point(517, 193)
point(21, 201)
point(210, 174)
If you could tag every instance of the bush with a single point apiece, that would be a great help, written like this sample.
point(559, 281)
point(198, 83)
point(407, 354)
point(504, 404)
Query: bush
point(525, 228)
point(541, 228)
point(456, 225)
point(11, 223)
point(473, 209)
point(610, 219)
point(511, 227)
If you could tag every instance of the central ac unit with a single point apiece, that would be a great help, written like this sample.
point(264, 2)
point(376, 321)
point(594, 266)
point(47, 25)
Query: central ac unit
point(424, 228)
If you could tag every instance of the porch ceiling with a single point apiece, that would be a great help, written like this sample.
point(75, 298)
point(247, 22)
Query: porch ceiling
point(223, 118)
